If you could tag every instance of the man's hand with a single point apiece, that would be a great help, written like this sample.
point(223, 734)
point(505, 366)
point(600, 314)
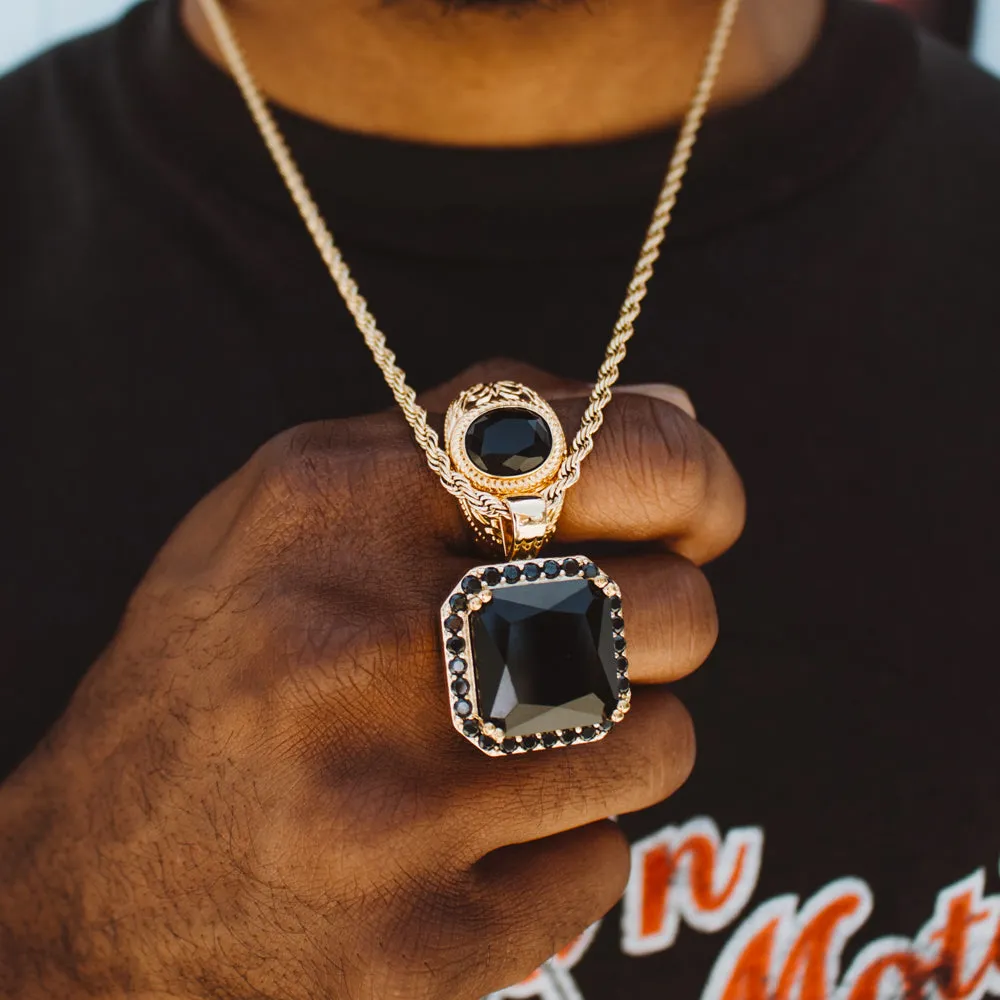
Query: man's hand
point(257, 791)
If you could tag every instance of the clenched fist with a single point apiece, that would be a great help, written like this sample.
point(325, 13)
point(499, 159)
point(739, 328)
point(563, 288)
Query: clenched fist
point(257, 791)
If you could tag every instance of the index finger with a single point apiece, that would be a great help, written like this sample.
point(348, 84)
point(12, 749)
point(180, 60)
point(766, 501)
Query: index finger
point(655, 474)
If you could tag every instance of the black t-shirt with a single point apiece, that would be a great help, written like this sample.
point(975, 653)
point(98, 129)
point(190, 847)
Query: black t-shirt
point(829, 297)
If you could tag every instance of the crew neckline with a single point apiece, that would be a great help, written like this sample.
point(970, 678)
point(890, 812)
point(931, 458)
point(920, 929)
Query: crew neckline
point(579, 197)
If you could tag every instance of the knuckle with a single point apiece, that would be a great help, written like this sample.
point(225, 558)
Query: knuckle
point(295, 479)
point(314, 481)
point(340, 460)
point(424, 953)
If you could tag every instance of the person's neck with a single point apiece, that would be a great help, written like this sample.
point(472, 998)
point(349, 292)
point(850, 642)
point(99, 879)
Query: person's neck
point(556, 72)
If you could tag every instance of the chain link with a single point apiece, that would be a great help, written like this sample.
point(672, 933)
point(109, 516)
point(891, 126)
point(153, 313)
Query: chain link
point(483, 504)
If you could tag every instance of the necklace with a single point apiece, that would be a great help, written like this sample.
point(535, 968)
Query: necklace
point(534, 650)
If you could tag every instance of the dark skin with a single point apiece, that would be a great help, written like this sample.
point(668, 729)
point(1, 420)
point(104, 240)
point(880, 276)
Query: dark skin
point(229, 808)
point(494, 73)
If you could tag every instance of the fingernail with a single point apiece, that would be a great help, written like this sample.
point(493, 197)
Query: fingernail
point(661, 390)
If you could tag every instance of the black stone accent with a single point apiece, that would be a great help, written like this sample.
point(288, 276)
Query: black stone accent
point(458, 602)
point(622, 664)
point(549, 740)
point(617, 622)
point(616, 603)
point(619, 644)
point(462, 708)
point(590, 571)
point(571, 567)
point(508, 441)
point(455, 644)
point(567, 736)
point(511, 574)
point(453, 623)
point(623, 686)
point(470, 727)
point(605, 726)
point(486, 743)
point(544, 657)
point(460, 687)
point(492, 576)
point(550, 568)
point(509, 745)
point(472, 585)
point(458, 665)
point(529, 742)
point(588, 733)
point(532, 572)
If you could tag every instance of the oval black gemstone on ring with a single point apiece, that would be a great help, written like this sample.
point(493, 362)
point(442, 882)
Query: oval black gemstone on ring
point(455, 644)
point(550, 568)
point(616, 603)
point(492, 576)
point(453, 623)
point(588, 733)
point(549, 740)
point(471, 585)
point(509, 441)
point(487, 743)
point(622, 664)
point(619, 644)
point(617, 622)
point(532, 572)
point(509, 745)
point(458, 602)
point(567, 736)
point(511, 574)
point(571, 567)
point(529, 742)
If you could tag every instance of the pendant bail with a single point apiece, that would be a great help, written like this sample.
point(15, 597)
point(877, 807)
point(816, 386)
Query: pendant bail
point(527, 529)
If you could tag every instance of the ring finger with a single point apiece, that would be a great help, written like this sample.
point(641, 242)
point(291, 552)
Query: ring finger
point(530, 796)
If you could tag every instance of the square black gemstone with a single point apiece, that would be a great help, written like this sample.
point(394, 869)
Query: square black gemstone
point(544, 657)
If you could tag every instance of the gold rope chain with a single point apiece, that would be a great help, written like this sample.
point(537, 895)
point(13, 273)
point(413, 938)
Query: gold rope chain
point(484, 504)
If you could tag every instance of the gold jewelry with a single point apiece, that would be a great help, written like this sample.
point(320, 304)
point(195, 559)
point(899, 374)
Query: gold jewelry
point(516, 524)
point(516, 478)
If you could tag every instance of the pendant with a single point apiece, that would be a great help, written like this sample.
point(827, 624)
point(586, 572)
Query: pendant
point(534, 648)
point(507, 441)
point(535, 655)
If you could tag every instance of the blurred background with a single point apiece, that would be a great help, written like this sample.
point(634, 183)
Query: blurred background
point(27, 26)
